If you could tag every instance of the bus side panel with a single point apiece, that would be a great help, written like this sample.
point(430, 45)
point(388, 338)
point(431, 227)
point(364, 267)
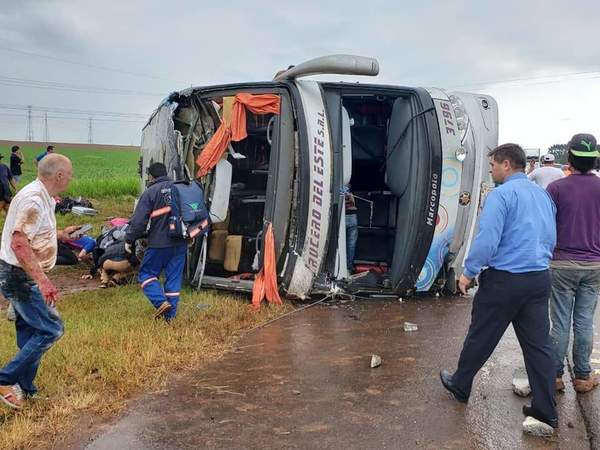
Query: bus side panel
point(450, 187)
point(483, 116)
point(318, 194)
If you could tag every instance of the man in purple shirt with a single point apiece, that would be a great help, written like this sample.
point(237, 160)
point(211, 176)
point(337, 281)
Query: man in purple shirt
point(575, 263)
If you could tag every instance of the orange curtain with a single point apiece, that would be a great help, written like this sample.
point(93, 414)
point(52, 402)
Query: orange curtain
point(236, 130)
point(265, 283)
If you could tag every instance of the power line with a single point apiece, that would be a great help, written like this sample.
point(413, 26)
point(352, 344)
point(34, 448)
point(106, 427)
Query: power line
point(91, 66)
point(52, 85)
point(90, 133)
point(46, 136)
point(23, 116)
point(535, 80)
point(29, 125)
point(71, 111)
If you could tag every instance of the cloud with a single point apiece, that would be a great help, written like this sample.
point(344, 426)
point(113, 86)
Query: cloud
point(40, 25)
point(200, 42)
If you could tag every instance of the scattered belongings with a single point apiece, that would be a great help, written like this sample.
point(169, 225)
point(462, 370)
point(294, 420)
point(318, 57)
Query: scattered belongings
point(520, 383)
point(537, 428)
point(410, 326)
point(83, 211)
point(116, 221)
point(375, 361)
point(65, 205)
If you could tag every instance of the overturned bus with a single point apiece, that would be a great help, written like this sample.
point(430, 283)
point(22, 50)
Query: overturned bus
point(414, 158)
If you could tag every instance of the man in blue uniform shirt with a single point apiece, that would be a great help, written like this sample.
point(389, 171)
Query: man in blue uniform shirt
point(38, 158)
point(517, 233)
point(163, 254)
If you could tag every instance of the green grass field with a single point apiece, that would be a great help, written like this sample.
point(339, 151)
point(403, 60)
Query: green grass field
point(113, 349)
point(96, 173)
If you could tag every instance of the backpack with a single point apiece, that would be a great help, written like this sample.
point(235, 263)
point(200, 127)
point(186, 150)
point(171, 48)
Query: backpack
point(188, 217)
point(111, 235)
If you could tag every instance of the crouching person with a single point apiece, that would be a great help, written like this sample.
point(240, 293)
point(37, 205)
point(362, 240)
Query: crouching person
point(117, 265)
point(29, 248)
point(163, 254)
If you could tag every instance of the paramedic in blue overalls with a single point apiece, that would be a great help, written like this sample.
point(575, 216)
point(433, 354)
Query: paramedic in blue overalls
point(164, 254)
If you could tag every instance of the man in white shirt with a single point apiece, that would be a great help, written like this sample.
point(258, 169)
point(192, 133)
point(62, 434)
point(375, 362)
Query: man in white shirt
point(543, 176)
point(28, 251)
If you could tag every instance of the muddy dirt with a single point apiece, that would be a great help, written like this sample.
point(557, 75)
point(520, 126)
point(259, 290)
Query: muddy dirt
point(68, 279)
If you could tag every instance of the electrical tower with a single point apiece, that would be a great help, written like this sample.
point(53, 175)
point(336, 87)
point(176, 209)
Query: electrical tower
point(29, 124)
point(90, 135)
point(46, 135)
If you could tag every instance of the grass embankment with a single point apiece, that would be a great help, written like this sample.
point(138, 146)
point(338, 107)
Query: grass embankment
point(96, 174)
point(112, 349)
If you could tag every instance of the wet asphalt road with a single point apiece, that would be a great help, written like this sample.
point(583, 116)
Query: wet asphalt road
point(305, 382)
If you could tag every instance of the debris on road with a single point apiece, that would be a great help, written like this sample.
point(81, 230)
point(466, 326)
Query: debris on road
point(520, 383)
point(536, 428)
point(375, 361)
point(408, 326)
point(295, 392)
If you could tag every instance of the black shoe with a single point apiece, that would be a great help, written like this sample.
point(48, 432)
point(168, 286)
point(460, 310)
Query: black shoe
point(446, 378)
point(531, 412)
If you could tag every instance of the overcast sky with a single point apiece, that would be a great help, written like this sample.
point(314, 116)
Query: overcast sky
point(155, 47)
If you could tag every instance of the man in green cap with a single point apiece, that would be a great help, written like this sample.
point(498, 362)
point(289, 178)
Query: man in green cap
point(575, 263)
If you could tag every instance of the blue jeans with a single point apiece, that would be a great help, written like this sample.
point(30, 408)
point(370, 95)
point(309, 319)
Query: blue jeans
point(171, 260)
point(37, 327)
point(574, 295)
point(351, 238)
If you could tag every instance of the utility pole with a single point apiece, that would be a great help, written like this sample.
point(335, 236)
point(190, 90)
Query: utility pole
point(46, 135)
point(29, 124)
point(90, 135)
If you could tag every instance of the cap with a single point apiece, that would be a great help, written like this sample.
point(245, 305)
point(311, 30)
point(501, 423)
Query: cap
point(548, 158)
point(583, 144)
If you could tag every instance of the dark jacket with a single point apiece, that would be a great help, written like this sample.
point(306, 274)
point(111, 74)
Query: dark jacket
point(5, 177)
point(116, 252)
point(15, 164)
point(157, 196)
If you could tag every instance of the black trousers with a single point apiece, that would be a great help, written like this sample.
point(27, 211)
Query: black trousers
point(520, 299)
point(65, 255)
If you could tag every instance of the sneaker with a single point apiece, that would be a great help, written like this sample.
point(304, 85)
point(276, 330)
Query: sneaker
point(30, 396)
point(586, 385)
point(36, 396)
point(10, 397)
point(18, 391)
point(559, 384)
point(164, 308)
point(529, 411)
